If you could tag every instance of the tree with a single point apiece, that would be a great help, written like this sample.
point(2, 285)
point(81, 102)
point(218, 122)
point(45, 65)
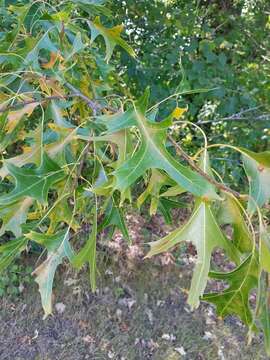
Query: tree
point(74, 152)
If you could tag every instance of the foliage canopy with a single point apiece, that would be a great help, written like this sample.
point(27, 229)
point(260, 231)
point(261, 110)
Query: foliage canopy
point(75, 150)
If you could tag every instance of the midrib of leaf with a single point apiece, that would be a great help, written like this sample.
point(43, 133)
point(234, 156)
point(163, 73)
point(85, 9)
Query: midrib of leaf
point(152, 144)
point(125, 145)
point(55, 259)
point(245, 312)
point(260, 188)
point(198, 282)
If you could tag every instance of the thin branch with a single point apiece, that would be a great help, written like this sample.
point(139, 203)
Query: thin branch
point(92, 104)
point(196, 168)
point(81, 164)
point(39, 101)
point(263, 117)
point(95, 106)
point(239, 117)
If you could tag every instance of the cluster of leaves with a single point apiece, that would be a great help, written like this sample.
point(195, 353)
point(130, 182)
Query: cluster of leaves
point(14, 278)
point(219, 45)
point(73, 154)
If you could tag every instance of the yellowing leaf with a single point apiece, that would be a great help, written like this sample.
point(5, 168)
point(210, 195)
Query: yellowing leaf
point(46, 271)
point(14, 215)
point(51, 86)
point(257, 167)
point(15, 116)
point(111, 37)
point(61, 213)
point(152, 152)
point(53, 58)
point(154, 186)
point(30, 155)
point(178, 112)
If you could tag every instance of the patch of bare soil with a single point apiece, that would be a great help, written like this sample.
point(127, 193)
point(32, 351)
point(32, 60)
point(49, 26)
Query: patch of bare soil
point(139, 312)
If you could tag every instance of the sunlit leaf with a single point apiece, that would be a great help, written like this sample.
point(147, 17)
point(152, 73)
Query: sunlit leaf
point(152, 153)
point(14, 215)
point(257, 167)
point(178, 112)
point(58, 248)
point(15, 116)
point(203, 231)
point(111, 37)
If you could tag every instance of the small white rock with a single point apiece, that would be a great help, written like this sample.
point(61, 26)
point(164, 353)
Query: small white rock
point(160, 303)
point(130, 303)
point(36, 335)
point(220, 354)
point(21, 287)
point(208, 335)
point(60, 307)
point(119, 314)
point(180, 350)
point(168, 337)
point(108, 272)
point(111, 354)
point(150, 316)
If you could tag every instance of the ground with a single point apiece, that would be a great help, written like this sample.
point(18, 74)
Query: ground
point(139, 312)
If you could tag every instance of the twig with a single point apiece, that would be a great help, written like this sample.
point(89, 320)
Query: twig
point(81, 164)
point(92, 104)
point(193, 165)
point(263, 117)
point(95, 106)
point(39, 101)
point(239, 117)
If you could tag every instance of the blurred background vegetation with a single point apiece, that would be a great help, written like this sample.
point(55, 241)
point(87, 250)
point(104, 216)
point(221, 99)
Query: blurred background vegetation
point(185, 45)
point(212, 44)
point(181, 45)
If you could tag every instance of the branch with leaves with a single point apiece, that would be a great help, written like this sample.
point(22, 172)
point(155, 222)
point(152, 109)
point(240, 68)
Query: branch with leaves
point(56, 185)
